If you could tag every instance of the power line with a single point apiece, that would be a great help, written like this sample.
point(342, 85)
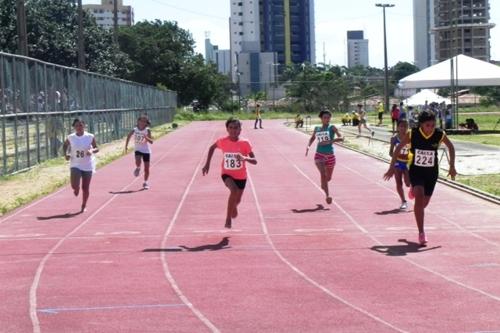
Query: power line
point(189, 10)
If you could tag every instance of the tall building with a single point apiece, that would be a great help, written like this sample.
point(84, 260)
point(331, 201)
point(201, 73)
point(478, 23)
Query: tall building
point(357, 49)
point(444, 28)
point(103, 13)
point(221, 58)
point(265, 33)
point(462, 29)
point(287, 28)
point(423, 37)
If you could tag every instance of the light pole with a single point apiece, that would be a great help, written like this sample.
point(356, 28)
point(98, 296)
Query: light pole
point(386, 71)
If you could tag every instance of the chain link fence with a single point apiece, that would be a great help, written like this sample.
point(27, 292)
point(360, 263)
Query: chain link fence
point(39, 101)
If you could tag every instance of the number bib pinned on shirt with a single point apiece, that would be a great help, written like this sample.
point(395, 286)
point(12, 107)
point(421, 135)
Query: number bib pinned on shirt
point(139, 138)
point(231, 161)
point(323, 136)
point(425, 158)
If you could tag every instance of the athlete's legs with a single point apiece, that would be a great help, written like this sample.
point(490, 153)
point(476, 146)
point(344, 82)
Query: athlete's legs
point(324, 178)
point(138, 160)
point(85, 190)
point(399, 184)
point(146, 171)
point(239, 194)
point(421, 202)
point(232, 200)
point(75, 176)
point(406, 177)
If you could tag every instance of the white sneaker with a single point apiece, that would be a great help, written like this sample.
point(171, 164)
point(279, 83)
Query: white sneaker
point(145, 186)
point(137, 171)
point(404, 205)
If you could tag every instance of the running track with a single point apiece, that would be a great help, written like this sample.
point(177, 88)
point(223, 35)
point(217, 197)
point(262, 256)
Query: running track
point(160, 261)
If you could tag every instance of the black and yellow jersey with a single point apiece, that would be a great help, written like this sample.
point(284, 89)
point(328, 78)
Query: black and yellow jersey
point(424, 148)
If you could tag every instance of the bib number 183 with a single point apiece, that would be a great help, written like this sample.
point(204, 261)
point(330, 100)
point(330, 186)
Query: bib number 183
point(231, 162)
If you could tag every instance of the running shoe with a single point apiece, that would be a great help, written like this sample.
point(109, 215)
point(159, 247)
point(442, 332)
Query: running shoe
point(411, 196)
point(422, 240)
point(404, 206)
point(137, 171)
point(145, 186)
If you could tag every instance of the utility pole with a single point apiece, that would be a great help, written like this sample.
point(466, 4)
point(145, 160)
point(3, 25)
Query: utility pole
point(386, 71)
point(22, 38)
point(115, 21)
point(81, 45)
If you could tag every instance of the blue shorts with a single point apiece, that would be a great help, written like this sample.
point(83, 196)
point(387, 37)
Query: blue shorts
point(401, 165)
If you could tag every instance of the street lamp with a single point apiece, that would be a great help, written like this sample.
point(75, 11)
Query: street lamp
point(386, 72)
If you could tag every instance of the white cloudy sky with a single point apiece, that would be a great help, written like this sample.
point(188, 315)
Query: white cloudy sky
point(333, 19)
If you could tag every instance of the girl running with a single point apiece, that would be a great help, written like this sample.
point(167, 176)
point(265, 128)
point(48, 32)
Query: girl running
point(142, 139)
point(325, 157)
point(236, 152)
point(401, 166)
point(424, 170)
point(79, 149)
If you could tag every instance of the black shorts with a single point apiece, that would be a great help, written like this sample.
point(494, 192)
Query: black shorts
point(380, 115)
point(425, 178)
point(146, 157)
point(240, 183)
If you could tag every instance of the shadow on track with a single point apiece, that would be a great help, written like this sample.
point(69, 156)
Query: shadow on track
point(318, 208)
point(403, 249)
point(223, 244)
point(393, 211)
point(59, 216)
point(126, 192)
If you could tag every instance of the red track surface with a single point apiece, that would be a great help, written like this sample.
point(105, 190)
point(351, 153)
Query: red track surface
point(157, 260)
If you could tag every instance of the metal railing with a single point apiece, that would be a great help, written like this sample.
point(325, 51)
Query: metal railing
point(39, 100)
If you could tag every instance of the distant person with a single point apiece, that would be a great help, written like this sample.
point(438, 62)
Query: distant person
point(448, 117)
point(362, 120)
point(79, 149)
point(299, 121)
point(380, 113)
point(346, 119)
point(258, 117)
point(236, 152)
point(424, 168)
point(395, 112)
point(142, 140)
point(355, 118)
point(402, 111)
point(325, 155)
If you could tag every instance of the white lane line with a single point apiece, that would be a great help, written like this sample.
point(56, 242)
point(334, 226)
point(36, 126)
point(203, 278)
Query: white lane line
point(304, 275)
point(166, 269)
point(482, 292)
point(36, 280)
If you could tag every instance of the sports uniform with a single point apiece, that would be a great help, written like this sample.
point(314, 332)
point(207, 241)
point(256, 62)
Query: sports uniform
point(402, 158)
point(142, 148)
point(232, 167)
point(424, 169)
point(325, 153)
point(81, 164)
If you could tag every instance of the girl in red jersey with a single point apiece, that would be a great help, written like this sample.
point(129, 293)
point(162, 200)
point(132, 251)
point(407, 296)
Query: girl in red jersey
point(236, 152)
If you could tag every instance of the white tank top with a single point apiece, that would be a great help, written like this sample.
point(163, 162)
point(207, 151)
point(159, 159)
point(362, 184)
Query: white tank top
point(79, 145)
point(141, 144)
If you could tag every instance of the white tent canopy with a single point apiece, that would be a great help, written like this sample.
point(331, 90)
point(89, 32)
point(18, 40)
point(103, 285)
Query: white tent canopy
point(425, 95)
point(471, 72)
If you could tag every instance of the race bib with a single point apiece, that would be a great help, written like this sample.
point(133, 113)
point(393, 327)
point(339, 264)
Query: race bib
point(425, 158)
point(79, 153)
point(323, 136)
point(139, 138)
point(231, 161)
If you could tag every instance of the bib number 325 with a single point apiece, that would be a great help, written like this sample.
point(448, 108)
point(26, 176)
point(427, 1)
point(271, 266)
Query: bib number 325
point(231, 162)
point(425, 158)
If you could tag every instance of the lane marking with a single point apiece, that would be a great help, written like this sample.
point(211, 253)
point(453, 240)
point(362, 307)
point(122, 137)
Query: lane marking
point(373, 238)
point(304, 275)
point(166, 269)
point(36, 280)
point(107, 308)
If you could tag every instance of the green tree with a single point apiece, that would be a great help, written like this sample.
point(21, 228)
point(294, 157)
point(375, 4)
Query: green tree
point(402, 70)
point(162, 53)
point(52, 27)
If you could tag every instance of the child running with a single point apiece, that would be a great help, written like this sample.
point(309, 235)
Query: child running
point(142, 139)
point(424, 170)
point(401, 166)
point(236, 152)
point(79, 149)
point(325, 156)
